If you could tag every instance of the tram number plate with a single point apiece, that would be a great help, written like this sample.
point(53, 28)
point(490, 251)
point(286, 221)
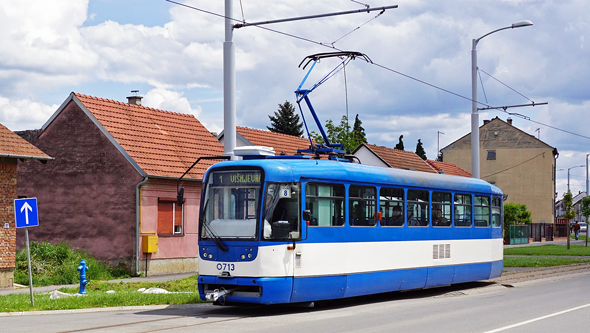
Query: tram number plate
point(226, 267)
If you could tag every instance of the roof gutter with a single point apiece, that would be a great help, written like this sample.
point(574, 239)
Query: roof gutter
point(40, 158)
point(137, 219)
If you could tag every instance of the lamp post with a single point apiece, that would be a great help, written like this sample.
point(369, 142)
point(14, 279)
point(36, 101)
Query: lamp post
point(568, 174)
point(474, 114)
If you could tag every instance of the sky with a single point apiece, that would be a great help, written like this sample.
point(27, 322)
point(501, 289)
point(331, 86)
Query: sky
point(418, 86)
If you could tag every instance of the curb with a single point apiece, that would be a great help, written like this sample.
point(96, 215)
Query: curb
point(107, 309)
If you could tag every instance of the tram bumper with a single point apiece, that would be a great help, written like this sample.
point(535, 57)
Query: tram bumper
point(273, 290)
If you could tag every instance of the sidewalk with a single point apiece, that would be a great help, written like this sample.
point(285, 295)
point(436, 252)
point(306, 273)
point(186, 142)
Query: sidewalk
point(155, 278)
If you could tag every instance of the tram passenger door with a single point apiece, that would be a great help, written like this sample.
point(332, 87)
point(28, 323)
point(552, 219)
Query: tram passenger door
point(315, 269)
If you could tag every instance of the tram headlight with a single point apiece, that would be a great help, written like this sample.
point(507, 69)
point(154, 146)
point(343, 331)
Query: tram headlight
point(243, 256)
point(249, 255)
point(210, 256)
point(204, 254)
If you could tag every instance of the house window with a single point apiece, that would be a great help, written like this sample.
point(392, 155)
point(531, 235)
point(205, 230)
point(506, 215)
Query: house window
point(170, 217)
point(491, 155)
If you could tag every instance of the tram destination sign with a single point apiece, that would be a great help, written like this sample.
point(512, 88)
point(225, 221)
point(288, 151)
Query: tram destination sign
point(236, 178)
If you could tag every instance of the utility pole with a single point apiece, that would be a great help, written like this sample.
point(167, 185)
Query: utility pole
point(229, 68)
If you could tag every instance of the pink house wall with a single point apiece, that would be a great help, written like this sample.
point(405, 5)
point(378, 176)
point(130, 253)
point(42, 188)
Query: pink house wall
point(170, 247)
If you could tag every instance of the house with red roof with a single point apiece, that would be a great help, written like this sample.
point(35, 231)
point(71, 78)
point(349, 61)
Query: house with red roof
point(448, 168)
point(13, 148)
point(282, 143)
point(112, 187)
point(391, 158)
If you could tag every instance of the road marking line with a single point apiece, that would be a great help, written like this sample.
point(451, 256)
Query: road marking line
point(537, 319)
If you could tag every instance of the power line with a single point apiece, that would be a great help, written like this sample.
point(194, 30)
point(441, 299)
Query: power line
point(388, 69)
point(505, 85)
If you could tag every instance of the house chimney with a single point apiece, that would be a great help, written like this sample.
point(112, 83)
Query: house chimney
point(485, 121)
point(509, 120)
point(134, 99)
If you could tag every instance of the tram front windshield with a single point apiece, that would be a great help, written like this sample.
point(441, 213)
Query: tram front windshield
point(231, 205)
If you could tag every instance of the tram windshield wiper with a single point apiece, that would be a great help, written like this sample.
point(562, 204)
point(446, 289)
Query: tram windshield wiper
point(210, 233)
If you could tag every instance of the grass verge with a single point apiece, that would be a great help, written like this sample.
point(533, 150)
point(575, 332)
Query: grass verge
point(549, 250)
point(538, 261)
point(125, 295)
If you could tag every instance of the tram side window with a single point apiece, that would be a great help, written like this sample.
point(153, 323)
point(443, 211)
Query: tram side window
point(441, 209)
point(482, 211)
point(326, 203)
point(362, 205)
point(496, 212)
point(418, 203)
point(391, 206)
point(462, 210)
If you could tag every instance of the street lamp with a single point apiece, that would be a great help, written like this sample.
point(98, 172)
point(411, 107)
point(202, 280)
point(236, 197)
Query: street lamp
point(474, 114)
point(568, 174)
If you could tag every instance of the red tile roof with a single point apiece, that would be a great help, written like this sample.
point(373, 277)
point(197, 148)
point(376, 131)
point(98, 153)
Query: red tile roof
point(12, 145)
point(162, 143)
point(280, 142)
point(400, 159)
point(448, 168)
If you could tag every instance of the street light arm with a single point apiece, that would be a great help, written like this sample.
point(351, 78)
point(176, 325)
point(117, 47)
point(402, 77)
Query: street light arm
point(520, 24)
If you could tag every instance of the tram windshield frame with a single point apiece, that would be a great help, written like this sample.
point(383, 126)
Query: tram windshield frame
point(231, 204)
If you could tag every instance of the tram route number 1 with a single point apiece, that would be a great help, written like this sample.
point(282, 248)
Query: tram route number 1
point(226, 267)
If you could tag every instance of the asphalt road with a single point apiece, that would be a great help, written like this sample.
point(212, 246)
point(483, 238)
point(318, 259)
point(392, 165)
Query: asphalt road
point(555, 303)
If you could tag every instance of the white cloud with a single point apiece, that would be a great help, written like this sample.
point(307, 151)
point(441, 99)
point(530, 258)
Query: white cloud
point(24, 114)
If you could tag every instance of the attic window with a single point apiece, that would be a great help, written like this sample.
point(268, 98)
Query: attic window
point(491, 155)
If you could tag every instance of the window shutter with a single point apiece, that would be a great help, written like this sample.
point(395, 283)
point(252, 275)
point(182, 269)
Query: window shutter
point(165, 225)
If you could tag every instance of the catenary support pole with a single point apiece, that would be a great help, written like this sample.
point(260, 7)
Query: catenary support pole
point(229, 85)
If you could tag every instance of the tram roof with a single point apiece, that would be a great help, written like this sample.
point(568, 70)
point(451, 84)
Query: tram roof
point(296, 169)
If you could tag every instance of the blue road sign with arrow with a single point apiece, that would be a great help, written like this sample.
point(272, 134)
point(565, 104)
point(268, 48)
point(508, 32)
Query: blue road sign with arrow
point(25, 213)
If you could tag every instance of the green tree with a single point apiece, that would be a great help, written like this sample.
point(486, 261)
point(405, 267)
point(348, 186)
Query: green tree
point(286, 121)
point(568, 202)
point(341, 133)
point(420, 150)
point(358, 132)
point(515, 214)
point(400, 144)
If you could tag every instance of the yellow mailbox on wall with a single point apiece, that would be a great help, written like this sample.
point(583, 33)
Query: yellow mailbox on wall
point(149, 244)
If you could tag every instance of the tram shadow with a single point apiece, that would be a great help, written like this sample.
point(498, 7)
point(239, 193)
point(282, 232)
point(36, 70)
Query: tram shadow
point(209, 311)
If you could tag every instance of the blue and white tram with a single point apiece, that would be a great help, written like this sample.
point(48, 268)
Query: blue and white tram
point(294, 229)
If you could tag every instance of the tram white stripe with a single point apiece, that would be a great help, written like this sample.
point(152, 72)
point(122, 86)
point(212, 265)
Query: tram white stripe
point(537, 319)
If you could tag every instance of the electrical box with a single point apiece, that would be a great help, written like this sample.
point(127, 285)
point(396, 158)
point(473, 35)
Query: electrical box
point(149, 244)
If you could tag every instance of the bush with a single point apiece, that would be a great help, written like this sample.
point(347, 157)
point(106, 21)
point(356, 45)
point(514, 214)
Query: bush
point(515, 213)
point(57, 264)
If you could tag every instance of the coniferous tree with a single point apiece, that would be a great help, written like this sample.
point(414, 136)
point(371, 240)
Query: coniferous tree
point(400, 144)
point(358, 133)
point(420, 150)
point(286, 121)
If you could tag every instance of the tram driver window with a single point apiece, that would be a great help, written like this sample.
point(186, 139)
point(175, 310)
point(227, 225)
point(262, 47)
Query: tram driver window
point(281, 211)
point(391, 206)
point(462, 210)
point(326, 203)
point(418, 203)
point(362, 205)
point(441, 209)
point(496, 212)
point(482, 211)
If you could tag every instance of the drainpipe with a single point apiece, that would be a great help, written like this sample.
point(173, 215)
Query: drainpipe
point(137, 218)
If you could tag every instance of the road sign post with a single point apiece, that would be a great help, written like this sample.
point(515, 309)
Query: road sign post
point(26, 215)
